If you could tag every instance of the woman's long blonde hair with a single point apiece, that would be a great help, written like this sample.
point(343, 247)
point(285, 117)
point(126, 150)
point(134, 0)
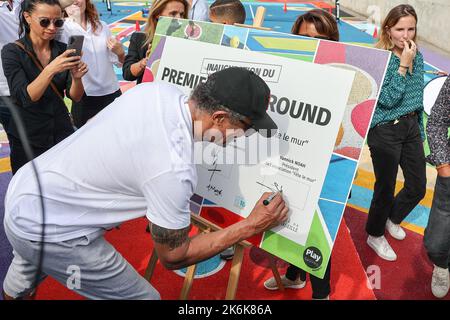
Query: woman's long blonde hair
point(155, 11)
point(391, 20)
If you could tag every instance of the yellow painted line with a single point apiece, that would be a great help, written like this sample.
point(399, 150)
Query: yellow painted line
point(288, 44)
point(406, 225)
point(413, 227)
point(357, 208)
point(366, 180)
point(362, 44)
point(5, 165)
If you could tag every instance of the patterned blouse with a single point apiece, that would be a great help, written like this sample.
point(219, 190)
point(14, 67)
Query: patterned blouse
point(437, 127)
point(399, 94)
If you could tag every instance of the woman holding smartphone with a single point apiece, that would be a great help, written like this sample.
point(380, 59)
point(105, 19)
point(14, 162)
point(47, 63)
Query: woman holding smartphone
point(101, 52)
point(396, 133)
point(39, 70)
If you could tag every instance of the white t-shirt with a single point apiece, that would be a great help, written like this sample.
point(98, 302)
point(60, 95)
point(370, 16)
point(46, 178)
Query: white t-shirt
point(101, 78)
point(9, 32)
point(199, 10)
point(133, 159)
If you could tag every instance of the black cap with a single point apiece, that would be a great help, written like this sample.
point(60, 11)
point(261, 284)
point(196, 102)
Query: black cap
point(244, 92)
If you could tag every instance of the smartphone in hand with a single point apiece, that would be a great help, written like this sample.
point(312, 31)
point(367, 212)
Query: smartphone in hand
point(75, 42)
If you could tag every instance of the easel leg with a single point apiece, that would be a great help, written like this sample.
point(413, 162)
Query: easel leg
point(151, 266)
point(276, 274)
point(235, 272)
point(187, 285)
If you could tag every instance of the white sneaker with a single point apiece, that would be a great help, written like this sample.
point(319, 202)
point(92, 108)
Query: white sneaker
point(271, 284)
point(381, 246)
point(395, 230)
point(326, 298)
point(440, 282)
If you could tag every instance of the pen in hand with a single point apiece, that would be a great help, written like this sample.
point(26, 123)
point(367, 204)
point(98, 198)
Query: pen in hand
point(270, 198)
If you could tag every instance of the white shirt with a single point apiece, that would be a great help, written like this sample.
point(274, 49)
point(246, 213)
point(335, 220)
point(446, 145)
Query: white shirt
point(101, 78)
point(9, 32)
point(134, 158)
point(199, 10)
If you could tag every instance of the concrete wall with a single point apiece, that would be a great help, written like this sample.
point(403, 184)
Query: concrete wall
point(433, 16)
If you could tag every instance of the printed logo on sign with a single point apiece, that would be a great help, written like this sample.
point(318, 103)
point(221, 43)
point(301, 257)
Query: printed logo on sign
point(313, 257)
point(239, 202)
point(268, 72)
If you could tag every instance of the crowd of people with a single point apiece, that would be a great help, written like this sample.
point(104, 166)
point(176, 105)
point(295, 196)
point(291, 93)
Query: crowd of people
point(38, 75)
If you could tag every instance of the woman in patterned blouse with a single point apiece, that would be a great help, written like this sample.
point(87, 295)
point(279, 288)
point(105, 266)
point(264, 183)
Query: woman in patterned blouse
point(396, 133)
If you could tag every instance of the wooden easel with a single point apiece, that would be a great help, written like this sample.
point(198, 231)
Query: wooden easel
point(257, 21)
point(205, 226)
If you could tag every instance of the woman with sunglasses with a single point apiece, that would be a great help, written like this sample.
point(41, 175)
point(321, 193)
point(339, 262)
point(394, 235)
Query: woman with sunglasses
point(141, 42)
point(101, 52)
point(317, 24)
point(39, 70)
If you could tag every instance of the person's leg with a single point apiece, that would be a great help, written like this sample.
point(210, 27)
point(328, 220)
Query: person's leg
point(437, 237)
point(293, 272)
point(294, 278)
point(412, 162)
point(5, 113)
point(437, 233)
point(88, 265)
point(76, 111)
point(17, 155)
point(89, 106)
point(20, 279)
point(385, 153)
point(321, 287)
point(63, 126)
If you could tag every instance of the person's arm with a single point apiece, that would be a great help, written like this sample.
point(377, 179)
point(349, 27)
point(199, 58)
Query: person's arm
point(168, 196)
point(418, 76)
point(114, 45)
point(61, 63)
point(15, 74)
point(437, 131)
point(76, 88)
point(176, 250)
point(394, 84)
point(134, 64)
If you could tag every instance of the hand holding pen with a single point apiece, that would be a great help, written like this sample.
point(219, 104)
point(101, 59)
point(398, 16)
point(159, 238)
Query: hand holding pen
point(270, 211)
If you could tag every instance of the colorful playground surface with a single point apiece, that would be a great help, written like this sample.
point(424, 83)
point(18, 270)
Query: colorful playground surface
point(351, 258)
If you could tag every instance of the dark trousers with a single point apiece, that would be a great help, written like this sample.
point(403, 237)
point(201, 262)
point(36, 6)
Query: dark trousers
point(392, 145)
point(437, 232)
point(320, 287)
point(89, 106)
point(62, 129)
point(18, 156)
point(5, 114)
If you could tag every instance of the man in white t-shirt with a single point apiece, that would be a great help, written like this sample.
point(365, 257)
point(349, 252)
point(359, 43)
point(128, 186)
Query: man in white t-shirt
point(134, 158)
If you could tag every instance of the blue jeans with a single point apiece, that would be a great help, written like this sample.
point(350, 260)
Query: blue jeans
point(437, 232)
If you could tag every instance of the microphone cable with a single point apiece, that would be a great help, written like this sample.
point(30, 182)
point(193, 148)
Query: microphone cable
point(30, 156)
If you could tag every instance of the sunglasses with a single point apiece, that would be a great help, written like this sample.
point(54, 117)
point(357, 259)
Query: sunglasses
point(45, 22)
